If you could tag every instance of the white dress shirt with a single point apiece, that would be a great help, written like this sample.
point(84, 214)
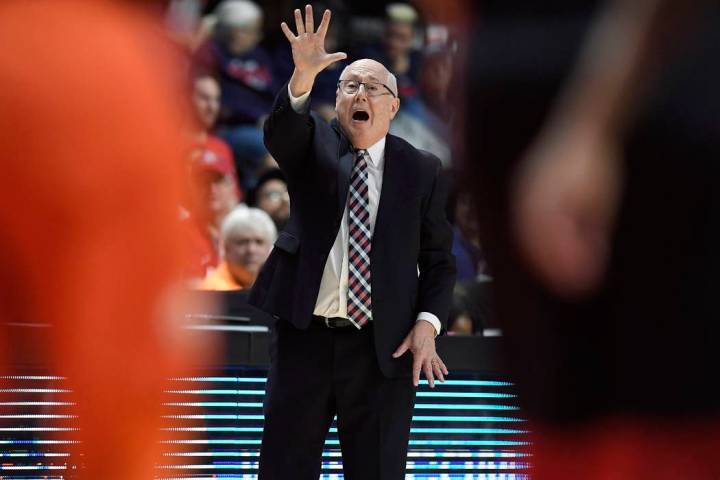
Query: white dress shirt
point(333, 295)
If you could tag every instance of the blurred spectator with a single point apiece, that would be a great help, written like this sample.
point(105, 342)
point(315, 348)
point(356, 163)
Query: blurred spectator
point(466, 240)
point(398, 50)
point(206, 100)
point(182, 19)
point(403, 58)
point(246, 80)
point(206, 105)
point(247, 236)
point(435, 78)
point(471, 310)
point(271, 195)
point(460, 322)
point(214, 193)
point(426, 120)
point(420, 135)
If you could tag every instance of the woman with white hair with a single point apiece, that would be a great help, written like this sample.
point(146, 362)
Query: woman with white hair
point(247, 236)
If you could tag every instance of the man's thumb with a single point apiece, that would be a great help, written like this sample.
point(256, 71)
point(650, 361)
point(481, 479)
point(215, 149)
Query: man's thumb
point(335, 57)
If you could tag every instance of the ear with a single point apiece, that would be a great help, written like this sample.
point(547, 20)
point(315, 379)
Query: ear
point(394, 107)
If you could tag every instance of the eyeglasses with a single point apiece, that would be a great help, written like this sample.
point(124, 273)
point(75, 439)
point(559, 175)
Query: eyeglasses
point(372, 89)
point(276, 195)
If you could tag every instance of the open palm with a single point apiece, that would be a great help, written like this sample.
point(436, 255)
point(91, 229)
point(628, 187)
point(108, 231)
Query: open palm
point(308, 46)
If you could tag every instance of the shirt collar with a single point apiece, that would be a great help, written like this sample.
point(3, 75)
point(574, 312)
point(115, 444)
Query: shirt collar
point(377, 152)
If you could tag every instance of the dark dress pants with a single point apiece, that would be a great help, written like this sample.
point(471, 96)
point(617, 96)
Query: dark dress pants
point(316, 374)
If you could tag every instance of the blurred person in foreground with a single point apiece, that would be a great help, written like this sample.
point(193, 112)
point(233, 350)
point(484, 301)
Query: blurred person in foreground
point(599, 203)
point(247, 235)
point(360, 281)
point(271, 195)
point(91, 182)
point(214, 193)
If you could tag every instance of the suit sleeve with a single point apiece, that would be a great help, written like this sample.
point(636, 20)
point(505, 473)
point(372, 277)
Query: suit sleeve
point(288, 133)
point(436, 261)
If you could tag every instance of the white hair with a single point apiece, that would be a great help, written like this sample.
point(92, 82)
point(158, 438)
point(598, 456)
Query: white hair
point(401, 12)
point(244, 218)
point(237, 14)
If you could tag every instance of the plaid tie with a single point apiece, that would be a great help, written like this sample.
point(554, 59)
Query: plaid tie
point(359, 308)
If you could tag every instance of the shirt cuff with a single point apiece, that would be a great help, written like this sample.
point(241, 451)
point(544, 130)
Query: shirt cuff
point(299, 104)
point(434, 321)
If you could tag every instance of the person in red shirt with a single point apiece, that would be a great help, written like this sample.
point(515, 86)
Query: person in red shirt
point(214, 193)
point(206, 107)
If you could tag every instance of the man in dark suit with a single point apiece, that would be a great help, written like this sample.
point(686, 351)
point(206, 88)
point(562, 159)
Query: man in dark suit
point(361, 274)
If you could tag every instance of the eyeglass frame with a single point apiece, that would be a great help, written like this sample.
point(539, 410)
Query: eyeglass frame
point(276, 195)
point(363, 84)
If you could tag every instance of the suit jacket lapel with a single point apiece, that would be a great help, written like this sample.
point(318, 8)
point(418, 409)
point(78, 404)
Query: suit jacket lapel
point(391, 185)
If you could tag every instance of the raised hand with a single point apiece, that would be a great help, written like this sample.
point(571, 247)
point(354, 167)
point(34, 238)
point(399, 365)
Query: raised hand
point(308, 46)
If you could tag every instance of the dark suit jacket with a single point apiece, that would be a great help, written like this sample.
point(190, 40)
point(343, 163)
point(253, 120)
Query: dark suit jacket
point(411, 230)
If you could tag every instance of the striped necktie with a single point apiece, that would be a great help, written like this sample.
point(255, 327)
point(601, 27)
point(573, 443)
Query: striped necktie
point(359, 307)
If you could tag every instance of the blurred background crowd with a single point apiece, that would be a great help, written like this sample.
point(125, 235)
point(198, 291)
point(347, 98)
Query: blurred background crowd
point(237, 60)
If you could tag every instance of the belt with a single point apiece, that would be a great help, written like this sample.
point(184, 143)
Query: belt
point(334, 322)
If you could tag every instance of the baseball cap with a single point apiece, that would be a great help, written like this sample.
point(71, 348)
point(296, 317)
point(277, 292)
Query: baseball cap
point(207, 160)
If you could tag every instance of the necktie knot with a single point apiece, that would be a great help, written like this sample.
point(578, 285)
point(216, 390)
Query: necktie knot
point(361, 157)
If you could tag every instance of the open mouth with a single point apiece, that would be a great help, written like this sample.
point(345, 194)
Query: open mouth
point(361, 116)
